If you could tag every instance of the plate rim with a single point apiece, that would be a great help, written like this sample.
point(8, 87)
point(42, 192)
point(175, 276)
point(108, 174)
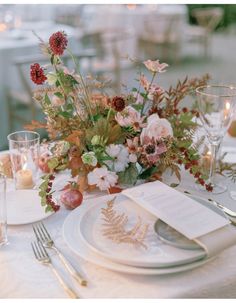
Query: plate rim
point(46, 215)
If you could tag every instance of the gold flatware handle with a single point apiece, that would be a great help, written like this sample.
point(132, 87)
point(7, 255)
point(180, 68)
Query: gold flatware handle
point(68, 290)
point(77, 276)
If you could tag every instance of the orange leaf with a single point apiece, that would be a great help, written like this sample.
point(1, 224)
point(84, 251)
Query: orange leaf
point(74, 137)
point(114, 190)
point(75, 163)
point(35, 125)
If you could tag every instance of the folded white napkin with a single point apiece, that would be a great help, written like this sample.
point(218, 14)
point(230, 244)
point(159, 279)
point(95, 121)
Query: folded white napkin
point(197, 222)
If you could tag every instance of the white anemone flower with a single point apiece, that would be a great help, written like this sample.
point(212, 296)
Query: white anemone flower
point(120, 156)
point(102, 178)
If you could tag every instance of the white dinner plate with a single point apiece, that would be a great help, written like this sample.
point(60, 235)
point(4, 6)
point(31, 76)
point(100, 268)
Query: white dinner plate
point(89, 222)
point(24, 207)
point(157, 254)
point(73, 239)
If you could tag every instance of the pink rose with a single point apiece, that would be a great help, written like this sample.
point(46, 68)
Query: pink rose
point(156, 128)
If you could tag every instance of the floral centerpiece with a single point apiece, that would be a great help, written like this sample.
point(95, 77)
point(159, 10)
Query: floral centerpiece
point(109, 141)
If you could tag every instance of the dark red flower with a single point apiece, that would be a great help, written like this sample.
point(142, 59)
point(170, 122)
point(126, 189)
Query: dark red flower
point(118, 103)
point(37, 74)
point(176, 111)
point(58, 43)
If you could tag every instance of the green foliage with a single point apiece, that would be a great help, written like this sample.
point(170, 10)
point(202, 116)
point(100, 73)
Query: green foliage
point(53, 163)
point(148, 172)
point(107, 132)
point(59, 95)
point(129, 176)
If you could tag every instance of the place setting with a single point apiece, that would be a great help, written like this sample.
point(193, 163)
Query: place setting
point(135, 183)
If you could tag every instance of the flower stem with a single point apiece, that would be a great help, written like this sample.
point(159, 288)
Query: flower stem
point(83, 83)
point(146, 95)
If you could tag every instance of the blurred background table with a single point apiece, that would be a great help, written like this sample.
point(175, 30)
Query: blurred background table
point(114, 32)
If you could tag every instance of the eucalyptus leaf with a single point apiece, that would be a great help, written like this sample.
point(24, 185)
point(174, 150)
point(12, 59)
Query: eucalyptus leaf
point(129, 176)
point(43, 201)
point(59, 95)
point(42, 193)
point(53, 163)
point(48, 209)
point(47, 100)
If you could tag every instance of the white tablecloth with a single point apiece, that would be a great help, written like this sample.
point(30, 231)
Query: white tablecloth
point(22, 277)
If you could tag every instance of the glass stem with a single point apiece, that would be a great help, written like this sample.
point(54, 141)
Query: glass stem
point(214, 150)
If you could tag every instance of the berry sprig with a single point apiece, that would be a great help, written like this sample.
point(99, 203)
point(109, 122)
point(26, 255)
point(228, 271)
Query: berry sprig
point(192, 165)
point(46, 194)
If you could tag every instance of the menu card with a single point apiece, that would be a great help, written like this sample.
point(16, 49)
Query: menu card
point(186, 215)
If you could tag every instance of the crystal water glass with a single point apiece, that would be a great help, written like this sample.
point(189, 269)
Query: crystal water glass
point(3, 211)
point(216, 105)
point(24, 153)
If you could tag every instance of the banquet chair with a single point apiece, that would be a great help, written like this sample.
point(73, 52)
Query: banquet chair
point(161, 32)
point(108, 63)
point(207, 20)
point(21, 106)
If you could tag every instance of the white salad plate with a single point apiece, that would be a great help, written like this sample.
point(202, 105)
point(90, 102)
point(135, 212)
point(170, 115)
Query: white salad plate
point(24, 207)
point(82, 232)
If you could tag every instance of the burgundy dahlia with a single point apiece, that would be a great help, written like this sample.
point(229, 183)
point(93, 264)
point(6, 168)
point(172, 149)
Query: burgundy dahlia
point(37, 74)
point(118, 103)
point(58, 43)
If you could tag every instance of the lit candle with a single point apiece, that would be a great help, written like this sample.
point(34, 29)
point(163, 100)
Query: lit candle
point(24, 179)
point(206, 160)
point(226, 110)
point(3, 27)
point(131, 6)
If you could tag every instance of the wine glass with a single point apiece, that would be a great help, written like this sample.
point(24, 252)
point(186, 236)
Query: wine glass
point(216, 104)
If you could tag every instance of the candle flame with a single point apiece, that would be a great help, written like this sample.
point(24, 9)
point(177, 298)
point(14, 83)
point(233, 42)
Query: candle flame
point(209, 153)
point(24, 162)
point(131, 6)
point(227, 105)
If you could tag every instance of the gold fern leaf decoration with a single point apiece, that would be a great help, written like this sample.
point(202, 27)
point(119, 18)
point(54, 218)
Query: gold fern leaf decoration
point(114, 227)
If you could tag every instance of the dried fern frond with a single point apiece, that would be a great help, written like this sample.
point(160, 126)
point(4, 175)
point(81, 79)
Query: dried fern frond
point(114, 227)
point(197, 145)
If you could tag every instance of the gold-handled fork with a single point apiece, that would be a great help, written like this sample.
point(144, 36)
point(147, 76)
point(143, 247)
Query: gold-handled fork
point(42, 256)
point(43, 236)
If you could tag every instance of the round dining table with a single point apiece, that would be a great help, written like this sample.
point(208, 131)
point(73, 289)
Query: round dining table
point(23, 277)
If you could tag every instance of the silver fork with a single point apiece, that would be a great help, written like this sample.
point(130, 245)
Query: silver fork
point(43, 236)
point(42, 256)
